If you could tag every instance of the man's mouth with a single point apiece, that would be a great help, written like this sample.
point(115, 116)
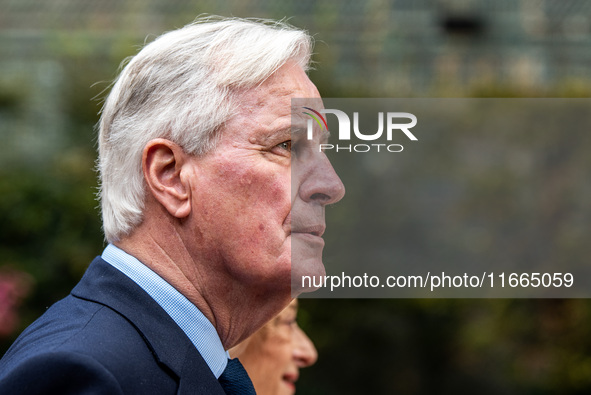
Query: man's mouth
point(290, 379)
point(314, 230)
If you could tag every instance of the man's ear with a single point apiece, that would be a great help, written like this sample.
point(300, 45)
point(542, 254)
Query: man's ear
point(162, 163)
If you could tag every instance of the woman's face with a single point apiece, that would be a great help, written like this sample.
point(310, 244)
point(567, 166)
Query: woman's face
point(273, 355)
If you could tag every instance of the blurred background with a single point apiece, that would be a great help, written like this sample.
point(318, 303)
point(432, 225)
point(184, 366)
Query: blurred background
point(58, 56)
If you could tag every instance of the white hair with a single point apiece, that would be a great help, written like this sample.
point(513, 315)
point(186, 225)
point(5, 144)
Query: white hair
point(183, 86)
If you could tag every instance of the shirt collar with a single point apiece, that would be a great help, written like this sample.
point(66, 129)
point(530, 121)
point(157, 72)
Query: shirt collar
point(187, 316)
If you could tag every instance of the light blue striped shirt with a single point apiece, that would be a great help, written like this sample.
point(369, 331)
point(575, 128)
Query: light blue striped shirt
point(196, 326)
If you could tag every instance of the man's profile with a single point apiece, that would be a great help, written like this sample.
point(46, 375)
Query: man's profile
point(199, 207)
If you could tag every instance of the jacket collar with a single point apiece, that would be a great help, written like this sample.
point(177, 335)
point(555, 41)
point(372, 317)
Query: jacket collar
point(104, 284)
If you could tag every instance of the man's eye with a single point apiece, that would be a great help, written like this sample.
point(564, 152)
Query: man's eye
point(286, 145)
point(290, 323)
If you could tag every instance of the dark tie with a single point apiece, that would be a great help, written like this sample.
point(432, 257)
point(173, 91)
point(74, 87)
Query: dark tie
point(235, 380)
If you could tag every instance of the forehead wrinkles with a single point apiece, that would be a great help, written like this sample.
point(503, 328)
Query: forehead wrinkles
point(262, 114)
point(272, 94)
point(288, 82)
point(253, 100)
point(261, 106)
point(264, 109)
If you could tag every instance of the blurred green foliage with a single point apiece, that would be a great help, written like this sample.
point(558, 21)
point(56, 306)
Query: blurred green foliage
point(444, 346)
point(50, 221)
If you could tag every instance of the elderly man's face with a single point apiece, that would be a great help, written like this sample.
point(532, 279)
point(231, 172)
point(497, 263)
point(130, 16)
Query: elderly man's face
point(242, 196)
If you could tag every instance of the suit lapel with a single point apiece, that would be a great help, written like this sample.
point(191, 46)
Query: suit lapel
point(104, 284)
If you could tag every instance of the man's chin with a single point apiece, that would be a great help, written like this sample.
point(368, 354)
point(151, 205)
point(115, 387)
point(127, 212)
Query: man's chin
point(307, 268)
point(306, 276)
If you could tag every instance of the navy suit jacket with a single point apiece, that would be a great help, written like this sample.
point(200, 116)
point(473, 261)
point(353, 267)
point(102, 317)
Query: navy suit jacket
point(107, 337)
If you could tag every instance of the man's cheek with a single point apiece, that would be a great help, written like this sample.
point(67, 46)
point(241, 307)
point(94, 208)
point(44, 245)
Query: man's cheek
point(267, 189)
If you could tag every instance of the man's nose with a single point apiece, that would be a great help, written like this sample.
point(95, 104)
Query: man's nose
point(304, 352)
point(321, 182)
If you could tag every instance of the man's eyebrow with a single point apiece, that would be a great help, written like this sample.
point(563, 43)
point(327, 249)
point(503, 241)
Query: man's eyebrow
point(283, 132)
point(300, 131)
point(274, 134)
